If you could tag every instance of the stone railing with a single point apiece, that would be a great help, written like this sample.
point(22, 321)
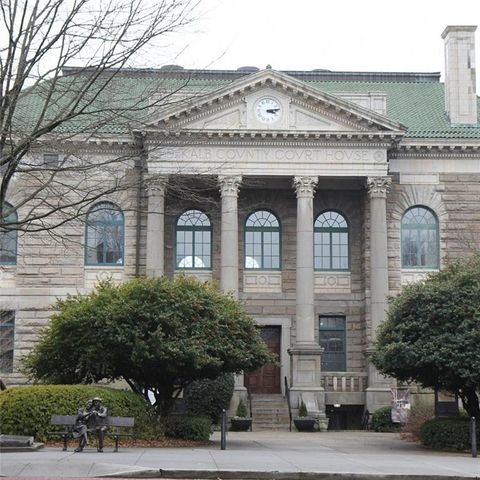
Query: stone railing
point(344, 381)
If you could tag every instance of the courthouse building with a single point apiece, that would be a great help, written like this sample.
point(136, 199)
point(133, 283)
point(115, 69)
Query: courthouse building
point(317, 194)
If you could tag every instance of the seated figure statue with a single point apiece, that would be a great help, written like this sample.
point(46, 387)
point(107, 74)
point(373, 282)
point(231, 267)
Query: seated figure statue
point(92, 417)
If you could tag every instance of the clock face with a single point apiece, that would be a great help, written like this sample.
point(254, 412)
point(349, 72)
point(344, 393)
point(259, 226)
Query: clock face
point(268, 110)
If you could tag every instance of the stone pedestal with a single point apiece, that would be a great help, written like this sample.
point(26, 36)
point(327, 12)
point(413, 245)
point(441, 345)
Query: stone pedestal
point(378, 391)
point(155, 186)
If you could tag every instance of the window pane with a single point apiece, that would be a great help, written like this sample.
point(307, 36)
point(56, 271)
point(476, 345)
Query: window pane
point(8, 247)
point(8, 238)
point(419, 238)
point(105, 235)
point(333, 340)
point(262, 240)
point(7, 335)
point(194, 236)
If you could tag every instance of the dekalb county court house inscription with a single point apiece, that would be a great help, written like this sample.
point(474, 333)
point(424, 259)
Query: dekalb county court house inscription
point(233, 160)
point(272, 155)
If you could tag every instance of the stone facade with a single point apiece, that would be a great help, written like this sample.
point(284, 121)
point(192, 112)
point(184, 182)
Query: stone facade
point(326, 152)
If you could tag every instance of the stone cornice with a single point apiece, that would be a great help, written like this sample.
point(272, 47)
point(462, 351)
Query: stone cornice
point(335, 115)
point(271, 138)
point(93, 144)
point(202, 113)
point(436, 148)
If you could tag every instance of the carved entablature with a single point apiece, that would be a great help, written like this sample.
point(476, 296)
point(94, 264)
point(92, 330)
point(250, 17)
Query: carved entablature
point(378, 186)
point(229, 186)
point(305, 186)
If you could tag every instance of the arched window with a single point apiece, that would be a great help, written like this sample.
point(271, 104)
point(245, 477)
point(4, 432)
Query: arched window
point(420, 238)
point(331, 242)
point(262, 241)
point(104, 242)
point(193, 241)
point(8, 238)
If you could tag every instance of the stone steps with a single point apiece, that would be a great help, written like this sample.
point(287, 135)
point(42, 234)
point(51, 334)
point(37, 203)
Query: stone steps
point(269, 412)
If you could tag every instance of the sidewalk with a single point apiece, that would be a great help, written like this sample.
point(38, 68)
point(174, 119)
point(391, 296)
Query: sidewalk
point(255, 455)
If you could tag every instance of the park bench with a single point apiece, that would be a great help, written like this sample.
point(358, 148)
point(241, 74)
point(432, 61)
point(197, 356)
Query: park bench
point(113, 424)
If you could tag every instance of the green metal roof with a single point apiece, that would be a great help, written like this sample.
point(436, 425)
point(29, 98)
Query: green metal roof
point(419, 105)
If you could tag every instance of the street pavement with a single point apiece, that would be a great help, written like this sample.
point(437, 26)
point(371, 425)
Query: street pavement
point(254, 455)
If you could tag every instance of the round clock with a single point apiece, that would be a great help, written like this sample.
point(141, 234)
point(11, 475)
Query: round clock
point(268, 110)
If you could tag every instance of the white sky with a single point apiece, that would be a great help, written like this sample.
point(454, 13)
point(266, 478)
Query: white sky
point(363, 35)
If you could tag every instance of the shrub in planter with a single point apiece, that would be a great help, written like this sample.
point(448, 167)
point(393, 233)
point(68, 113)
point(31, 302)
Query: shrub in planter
point(210, 397)
point(27, 410)
point(447, 433)
point(382, 421)
point(188, 427)
point(303, 422)
point(241, 422)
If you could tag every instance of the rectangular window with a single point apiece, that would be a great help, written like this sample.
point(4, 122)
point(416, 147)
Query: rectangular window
point(333, 340)
point(7, 331)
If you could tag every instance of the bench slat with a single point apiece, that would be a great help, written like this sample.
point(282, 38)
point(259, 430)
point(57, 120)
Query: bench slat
point(63, 420)
point(121, 421)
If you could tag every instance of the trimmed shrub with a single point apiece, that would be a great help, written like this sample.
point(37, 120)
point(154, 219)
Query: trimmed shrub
point(210, 397)
point(188, 427)
point(382, 421)
point(418, 415)
point(27, 410)
point(447, 433)
point(302, 411)
point(242, 411)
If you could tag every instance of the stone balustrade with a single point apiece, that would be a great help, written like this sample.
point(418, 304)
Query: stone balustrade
point(344, 381)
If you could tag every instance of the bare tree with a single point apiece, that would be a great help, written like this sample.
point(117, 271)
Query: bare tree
point(49, 106)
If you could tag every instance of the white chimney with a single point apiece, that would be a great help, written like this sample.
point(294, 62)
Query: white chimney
point(460, 96)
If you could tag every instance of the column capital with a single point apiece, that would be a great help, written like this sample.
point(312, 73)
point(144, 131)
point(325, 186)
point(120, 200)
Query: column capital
point(155, 183)
point(305, 186)
point(378, 187)
point(229, 186)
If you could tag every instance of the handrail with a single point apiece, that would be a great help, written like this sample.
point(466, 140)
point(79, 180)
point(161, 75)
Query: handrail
point(249, 399)
point(287, 394)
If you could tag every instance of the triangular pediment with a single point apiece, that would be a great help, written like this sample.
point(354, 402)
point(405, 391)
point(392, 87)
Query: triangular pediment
point(294, 106)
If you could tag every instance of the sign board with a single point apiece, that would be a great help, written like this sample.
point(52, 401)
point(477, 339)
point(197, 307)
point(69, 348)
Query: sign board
point(400, 404)
point(446, 404)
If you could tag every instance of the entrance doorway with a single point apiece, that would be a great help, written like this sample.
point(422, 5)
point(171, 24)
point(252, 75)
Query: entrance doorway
point(267, 378)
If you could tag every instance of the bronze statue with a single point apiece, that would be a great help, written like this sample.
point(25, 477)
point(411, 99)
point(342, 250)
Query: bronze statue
point(92, 417)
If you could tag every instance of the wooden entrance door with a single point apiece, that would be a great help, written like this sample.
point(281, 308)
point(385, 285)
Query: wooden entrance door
point(267, 379)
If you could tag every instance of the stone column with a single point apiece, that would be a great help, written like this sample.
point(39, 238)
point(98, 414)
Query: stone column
point(229, 187)
point(378, 391)
point(155, 186)
point(306, 353)
point(305, 188)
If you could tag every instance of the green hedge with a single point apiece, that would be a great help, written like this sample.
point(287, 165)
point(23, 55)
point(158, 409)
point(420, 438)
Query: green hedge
point(209, 397)
point(188, 427)
point(27, 410)
point(447, 433)
point(382, 421)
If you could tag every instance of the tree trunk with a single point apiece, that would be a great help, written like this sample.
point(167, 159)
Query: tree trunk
point(471, 402)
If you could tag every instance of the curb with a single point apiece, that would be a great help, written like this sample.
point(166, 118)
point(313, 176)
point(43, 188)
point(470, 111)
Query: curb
point(275, 475)
point(32, 448)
